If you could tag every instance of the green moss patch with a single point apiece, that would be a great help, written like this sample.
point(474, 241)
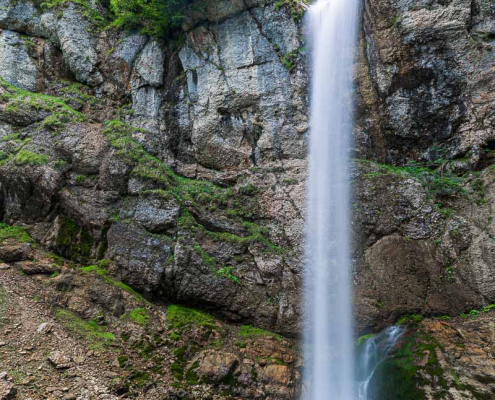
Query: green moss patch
point(140, 316)
point(14, 232)
point(97, 336)
point(73, 241)
point(25, 157)
point(17, 98)
point(250, 332)
point(435, 181)
point(103, 273)
point(411, 366)
point(180, 317)
point(361, 339)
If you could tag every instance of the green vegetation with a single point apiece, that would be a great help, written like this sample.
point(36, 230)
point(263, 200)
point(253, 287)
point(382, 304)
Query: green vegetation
point(152, 17)
point(289, 60)
point(248, 190)
point(14, 232)
point(75, 91)
point(180, 317)
point(410, 319)
point(475, 313)
point(361, 339)
point(198, 193)
point(87, 7)
point(122, 360)
point(398, 375)
point(18, 99)
point(25, 157)
point(59, 119)
point(192, 377)
point(177, 371)
point(139, 378)
point(95, 269)
point(250, 332)
point(296, 7)
point(97, 336)
point(140, 316)
point(435, 181)
point(224, 272)
point(73, 241)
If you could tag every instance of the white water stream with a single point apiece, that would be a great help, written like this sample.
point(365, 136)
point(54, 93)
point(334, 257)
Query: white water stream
point(372, 353)
point(329, 348)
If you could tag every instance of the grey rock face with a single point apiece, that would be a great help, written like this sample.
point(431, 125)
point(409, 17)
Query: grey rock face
point(78, 45)
point(230, 107)
point(150, 64)
point(238, 91)
point(124, 56)
point(153, 212)
point(16, 66)
point(429, 67)
point(140, 256)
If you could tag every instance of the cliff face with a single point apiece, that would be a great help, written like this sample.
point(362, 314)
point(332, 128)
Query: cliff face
point(200, 200)
point(183, 163)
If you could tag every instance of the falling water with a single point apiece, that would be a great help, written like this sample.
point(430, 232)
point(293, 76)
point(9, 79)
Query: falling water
point(329, 355)
point(372, 353)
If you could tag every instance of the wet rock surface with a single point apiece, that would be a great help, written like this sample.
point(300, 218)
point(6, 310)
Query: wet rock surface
point(184, 164)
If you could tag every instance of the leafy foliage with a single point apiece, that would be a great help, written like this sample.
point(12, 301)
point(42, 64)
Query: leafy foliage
point(152, 17)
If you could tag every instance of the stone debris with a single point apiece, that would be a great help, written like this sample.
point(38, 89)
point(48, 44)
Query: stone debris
point(60, 360)
point(7, 389)
point(44, 328)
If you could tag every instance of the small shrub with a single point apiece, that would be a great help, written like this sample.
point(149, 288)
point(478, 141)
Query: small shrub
point(152, 17)
point(25, 157)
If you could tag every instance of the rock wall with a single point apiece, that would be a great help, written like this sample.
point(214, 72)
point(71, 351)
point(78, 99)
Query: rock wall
point(184, 162)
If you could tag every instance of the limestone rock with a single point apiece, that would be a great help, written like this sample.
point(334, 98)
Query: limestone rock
point(7, 390)
point(16, 66)
point(78, 45)
point(149, 65)
point(12, 251)
point(215, 366)
point(60, 360)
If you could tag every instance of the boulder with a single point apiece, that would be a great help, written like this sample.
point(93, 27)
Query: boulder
point(13, 251)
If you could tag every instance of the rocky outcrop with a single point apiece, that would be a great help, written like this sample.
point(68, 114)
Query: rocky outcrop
point(79, 333)
point(91, 174)
point(184, 162)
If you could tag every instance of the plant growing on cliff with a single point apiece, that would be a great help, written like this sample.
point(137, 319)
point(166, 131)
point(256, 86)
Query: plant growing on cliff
point(152, 17)
point(296, 7)
point(25, 157)
point(14, 232)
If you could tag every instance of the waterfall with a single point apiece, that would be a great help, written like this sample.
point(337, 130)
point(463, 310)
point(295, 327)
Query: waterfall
point(328, 337)
point(371, 354)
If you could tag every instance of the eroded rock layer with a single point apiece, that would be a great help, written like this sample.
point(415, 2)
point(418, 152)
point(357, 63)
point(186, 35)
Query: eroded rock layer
point(183, 162)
